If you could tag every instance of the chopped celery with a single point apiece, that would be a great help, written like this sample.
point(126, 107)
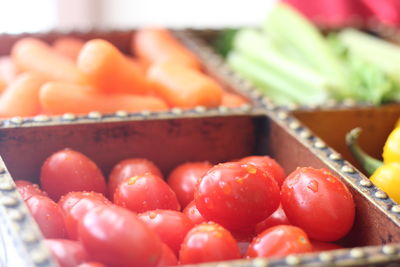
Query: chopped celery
point(295, 35)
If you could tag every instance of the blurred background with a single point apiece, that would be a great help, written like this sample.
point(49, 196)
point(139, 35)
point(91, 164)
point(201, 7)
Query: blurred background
point(31, 16)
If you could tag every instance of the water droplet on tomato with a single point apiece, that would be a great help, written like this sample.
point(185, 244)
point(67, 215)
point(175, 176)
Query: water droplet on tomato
point(132, 180)
point(313, 185)
point(226, 188)
point(152, 215)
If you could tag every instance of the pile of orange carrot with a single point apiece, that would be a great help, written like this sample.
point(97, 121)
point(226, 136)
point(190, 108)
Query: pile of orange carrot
point(73, 76)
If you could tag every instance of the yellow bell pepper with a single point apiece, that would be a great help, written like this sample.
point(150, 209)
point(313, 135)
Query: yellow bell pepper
point(391, 150)
point(387, 178)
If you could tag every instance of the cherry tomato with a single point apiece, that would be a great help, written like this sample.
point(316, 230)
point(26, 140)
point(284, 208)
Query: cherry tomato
point(278, 241)
point(117, 237)
point(27, 189)
point(68, 253)
point(48, 215)
point(128, 168)
point(323, 246)
point(168, 257)
point(183, 180)
point(193, 213)
point(269, 165)
point(91, 264)
point(237, 195)
point(74, 213)
point(208, 242)
point(277, 218)
point(145, 192)
point(319, 203)
point(172, 226)
point(68, 170)
point(67, 201)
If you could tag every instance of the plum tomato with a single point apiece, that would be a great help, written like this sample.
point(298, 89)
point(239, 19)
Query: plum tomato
point(27, 189)
point(68, 253)
point(277, 218)
point(168, 257)
point(183, 179)
point(237, 195)
point(279, 241)
point(115, 236)
point(269, 165)
point(145, 192)
point(68, 170)
point(171, 226)
point(48, 215)
point(208, 242)
point(74, 213)
point(319, 203)
point(128, 168)
point(193, 213)
point(323, 246)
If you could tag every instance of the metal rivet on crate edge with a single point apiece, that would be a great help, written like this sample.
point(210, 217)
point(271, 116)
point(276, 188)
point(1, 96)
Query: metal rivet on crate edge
point(94, 115)
point(349, 102)
point(245, 107)
point(223, 265)
point(335, 156)
point(389, 250)
point(294, 125)
point(6, 185)
point(365, 183)
point(177, 111)
point(395, 209)
point(259, 262)
point(145, 113)
point(8, 201)
point(222, 109)
point(326, 257)
point(255, 93)
point(121, 113)
point(283, 115)
point(15, 214)
point(39, 255)
point(2, 170)
point(200, 109)
point(16, 120)
point(28, 236)
point(347, 169)
point(357, 253)
point(68, 117)
point(293, 260)
point(305, 134)
point(292, 106)
point(41, 118)
point(380, 194)
point(319, 144)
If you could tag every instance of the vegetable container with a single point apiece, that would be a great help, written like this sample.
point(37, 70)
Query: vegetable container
point(176, 136)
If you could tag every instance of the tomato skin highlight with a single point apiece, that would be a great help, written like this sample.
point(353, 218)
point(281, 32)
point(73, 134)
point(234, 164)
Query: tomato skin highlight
point(269, 165)
point(27, 189)
point(133, 194)
point(326, 200)
point(68, 170)
point(68, 253)
point(277, 218)
point(184, 178)
point(128, 168)
point(48, 215)
point(193, 213)
point(208, 242)
point(91, 264)
point(171, 226)
point(237, 195)
point(279, 241)
point(69, 200)
point(103, 233)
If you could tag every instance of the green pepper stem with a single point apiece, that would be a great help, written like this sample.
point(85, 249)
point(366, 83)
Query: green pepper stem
point(369, 163)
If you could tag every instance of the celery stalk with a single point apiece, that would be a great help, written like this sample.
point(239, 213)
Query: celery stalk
point(295, 35)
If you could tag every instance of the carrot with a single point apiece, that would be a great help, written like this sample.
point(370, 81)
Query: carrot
point(21, 97)
point(109, 70)
point(3, 86)
point(59, 98)
point(153, 45)
point(31, 54)
point(232, 100)
point(68, 46)
point(8, 70)
point(181, 86)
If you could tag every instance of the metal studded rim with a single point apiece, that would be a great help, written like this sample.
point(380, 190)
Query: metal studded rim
point(293, 260)
point(381, 195)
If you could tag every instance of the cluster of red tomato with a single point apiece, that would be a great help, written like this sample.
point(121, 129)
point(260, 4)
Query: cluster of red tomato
point(245, 208)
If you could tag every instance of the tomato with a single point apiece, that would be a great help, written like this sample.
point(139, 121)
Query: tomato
point(193, 213)
point(128, 168)
point(323, 246)
point(277, 218)
point(168, 257)
point(87, 202)
point(319, 203)
point(117, 237)
point(183, 180)
point(269, 165)
point(170, 225)
point(237, 195)
point(27, 189)
point(278, 241)
point(68, 170)
point(48, 215)
point(208, 242)
point(91, 264)
point(68, 253)
point(145, 192)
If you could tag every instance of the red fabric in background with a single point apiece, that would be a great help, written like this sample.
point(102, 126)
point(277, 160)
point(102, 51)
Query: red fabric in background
point(340, 13)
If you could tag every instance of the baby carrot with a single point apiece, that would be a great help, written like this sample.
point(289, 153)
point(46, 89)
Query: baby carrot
point(21, 97)
point(185, 87)
point(68, 46)
point(109, 70)
point(31, 54)
point(232, 100)
point(8, 70)
point(154, 45)
point(59, 98)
